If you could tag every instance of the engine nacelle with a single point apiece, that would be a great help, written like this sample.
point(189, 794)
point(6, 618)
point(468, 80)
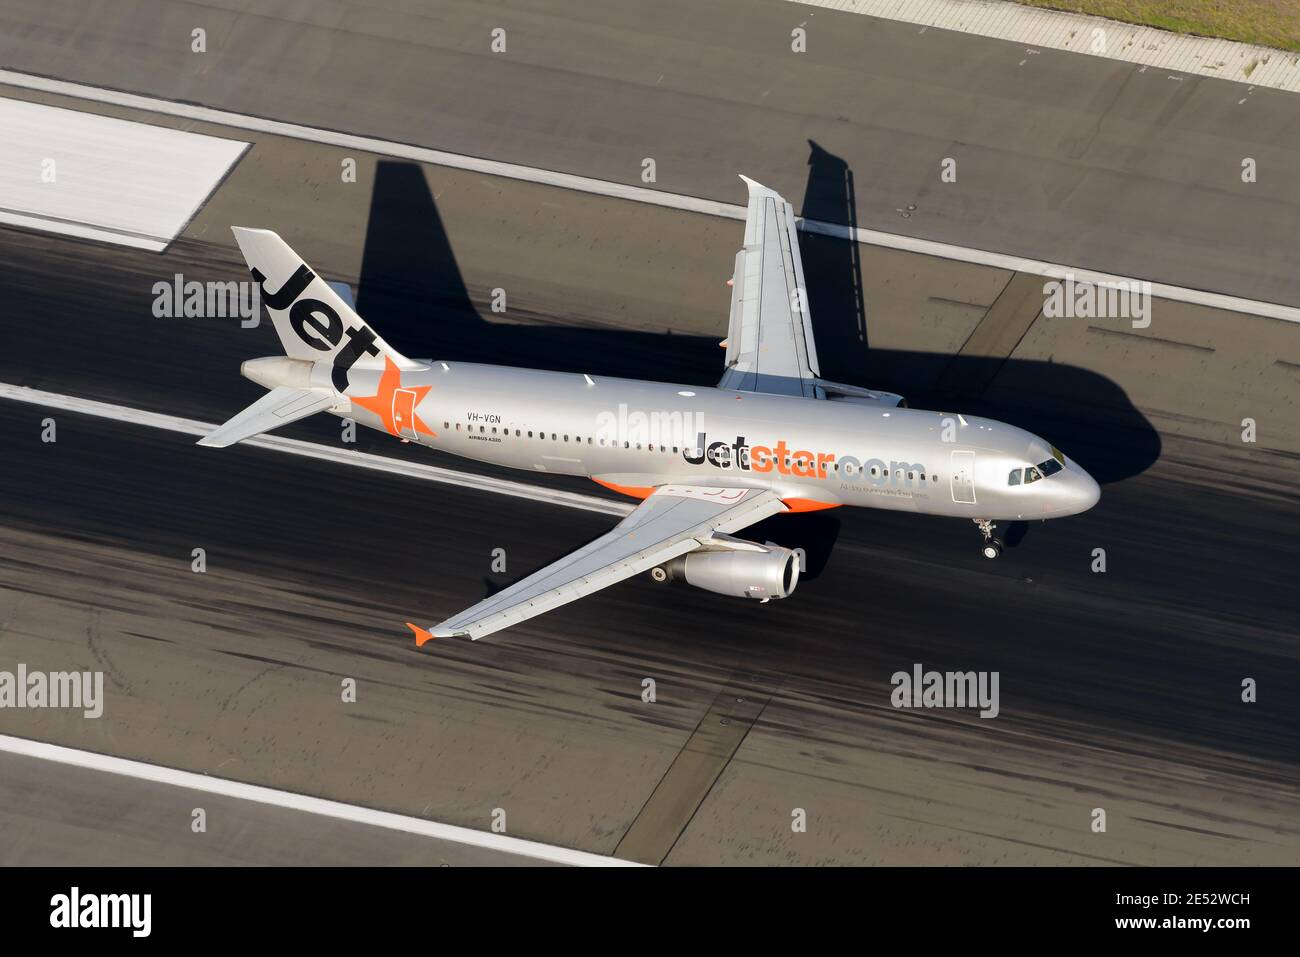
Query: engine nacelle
point(770, 573)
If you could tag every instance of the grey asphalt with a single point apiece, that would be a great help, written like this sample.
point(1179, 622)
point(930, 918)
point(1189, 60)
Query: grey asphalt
point(1064, 157)
point(55, 815)
point(1119, 690)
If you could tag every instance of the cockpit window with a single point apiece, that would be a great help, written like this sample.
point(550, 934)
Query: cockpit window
point(1050, 467)
point(1014, 477)
point(1056, 454)
point(1032, 475)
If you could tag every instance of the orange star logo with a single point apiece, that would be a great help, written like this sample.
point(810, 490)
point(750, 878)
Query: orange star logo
point(395, 404)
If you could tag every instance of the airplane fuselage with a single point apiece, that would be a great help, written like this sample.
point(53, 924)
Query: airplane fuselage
point(633, 435)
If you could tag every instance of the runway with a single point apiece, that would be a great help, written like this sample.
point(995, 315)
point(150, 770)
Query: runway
point(1061, 157)
point(1120, 690)
point(49, 817)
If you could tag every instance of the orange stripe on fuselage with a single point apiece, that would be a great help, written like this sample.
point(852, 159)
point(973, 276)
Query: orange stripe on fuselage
point(793, 504)
point(807, 504)
point(635, 491)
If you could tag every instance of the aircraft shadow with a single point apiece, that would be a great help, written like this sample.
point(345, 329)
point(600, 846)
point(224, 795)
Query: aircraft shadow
point(411, 288)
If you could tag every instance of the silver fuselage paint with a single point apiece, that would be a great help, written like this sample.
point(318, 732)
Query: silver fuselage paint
point(635, 434)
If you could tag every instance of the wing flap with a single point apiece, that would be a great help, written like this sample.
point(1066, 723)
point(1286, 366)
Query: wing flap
point(674, 520)
point(770, 340)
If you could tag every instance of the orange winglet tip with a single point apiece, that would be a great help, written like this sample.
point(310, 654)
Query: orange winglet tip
point(421, 636)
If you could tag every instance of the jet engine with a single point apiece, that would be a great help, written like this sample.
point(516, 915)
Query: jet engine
point(754, 571)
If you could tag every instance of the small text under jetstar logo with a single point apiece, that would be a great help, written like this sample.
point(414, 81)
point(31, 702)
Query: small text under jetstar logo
point(946, 689)
point(75, 909)
point(53, 689)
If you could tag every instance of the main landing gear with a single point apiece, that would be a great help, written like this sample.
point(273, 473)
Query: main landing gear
point(991, 548)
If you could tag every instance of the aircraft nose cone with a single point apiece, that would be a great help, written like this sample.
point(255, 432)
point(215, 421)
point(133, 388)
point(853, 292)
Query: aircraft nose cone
point(1088, 492)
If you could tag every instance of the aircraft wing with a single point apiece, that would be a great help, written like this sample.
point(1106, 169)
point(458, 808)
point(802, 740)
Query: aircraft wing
point(672, 521)
point(770, 345)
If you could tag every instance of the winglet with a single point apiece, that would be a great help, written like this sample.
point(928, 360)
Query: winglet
point(421, 636)
point(756, 188)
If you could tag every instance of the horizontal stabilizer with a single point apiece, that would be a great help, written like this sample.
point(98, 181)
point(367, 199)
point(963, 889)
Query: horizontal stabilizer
point(278, 407)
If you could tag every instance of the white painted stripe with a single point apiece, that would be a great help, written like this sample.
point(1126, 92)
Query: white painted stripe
point(301, 802)
point(365, 460)
point(81, 231)
point(636, 194)
point(1036, 26)
point(99, 177)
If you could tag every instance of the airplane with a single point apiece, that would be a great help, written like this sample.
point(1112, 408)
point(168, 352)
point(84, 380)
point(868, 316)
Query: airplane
point(772, 437)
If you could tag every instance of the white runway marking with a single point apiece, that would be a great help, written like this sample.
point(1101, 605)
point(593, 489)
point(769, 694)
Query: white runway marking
point(365, 460)
point(636, 194)
point(1089, 35)
point(97, 177)
point(310, 805)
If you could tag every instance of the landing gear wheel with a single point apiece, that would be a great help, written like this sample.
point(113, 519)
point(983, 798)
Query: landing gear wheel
point(991, 548)
point(659, 573)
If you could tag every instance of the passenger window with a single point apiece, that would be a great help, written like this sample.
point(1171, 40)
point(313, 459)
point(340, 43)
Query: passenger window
point(1014, 477)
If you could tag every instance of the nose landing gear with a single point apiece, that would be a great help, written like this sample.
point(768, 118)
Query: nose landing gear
point(991, 548)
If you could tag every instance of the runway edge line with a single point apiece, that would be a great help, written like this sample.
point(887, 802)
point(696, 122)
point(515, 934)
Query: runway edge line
point(302, 802)
point(312, 450)
point(585, 184)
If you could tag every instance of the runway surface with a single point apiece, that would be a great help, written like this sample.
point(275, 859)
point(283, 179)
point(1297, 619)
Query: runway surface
point(52, 815)
point(1119, 690)
point(1063, 157)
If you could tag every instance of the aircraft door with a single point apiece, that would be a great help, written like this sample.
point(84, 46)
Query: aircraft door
point(404, 413)
point(963, 478)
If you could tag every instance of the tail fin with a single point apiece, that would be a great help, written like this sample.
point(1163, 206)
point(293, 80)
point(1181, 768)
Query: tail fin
point(314, 322)
point(322, 335)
